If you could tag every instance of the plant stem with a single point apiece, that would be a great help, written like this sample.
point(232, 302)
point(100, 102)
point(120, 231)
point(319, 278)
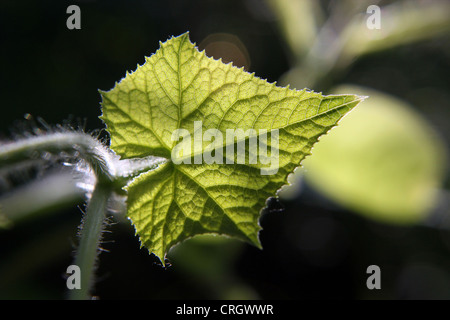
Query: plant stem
point(90, 234)
point(16, 151)
point(111, 174)
point(40, 197)
point(106, 165)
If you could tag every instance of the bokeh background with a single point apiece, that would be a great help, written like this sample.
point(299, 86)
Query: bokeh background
point(374, 192)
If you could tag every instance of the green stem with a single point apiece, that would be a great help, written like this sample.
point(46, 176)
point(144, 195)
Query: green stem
point(40, 197)
point(106, 165)
point(89, 148)
point(111, 175)
point(13, 152)
point(90, 235)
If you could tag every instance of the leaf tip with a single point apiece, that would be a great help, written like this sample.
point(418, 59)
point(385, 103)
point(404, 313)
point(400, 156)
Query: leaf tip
point(362, 98)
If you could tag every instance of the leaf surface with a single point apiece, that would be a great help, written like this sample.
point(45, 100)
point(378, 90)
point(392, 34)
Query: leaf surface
point(179, 87)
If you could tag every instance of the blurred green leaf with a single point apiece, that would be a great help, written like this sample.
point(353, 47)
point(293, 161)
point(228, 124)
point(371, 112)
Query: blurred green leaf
point(344, 36)
point(297, 20)
point(402, 22)
point(39, 198)
point(208, 260)
point(384, 161)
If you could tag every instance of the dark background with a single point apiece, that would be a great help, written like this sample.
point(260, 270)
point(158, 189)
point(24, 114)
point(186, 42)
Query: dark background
point(313, 249)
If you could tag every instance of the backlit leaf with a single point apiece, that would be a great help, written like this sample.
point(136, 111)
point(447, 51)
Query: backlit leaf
point(179, 87)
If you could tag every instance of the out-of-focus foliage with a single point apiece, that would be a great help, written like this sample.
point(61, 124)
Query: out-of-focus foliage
point(326, 46)
point(402, 22)
point(208, 261)
point(394, 168)
point(312, 248)
point(383, 160)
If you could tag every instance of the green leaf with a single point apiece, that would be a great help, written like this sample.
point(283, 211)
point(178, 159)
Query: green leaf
point(385, 161)
point(178, 86)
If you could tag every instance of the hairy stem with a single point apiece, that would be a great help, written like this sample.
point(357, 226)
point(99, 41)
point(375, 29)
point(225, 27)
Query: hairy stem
point(57, 142)
point(111, 174)
point(106, 165)
point(90, 237)
point(89, 148)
